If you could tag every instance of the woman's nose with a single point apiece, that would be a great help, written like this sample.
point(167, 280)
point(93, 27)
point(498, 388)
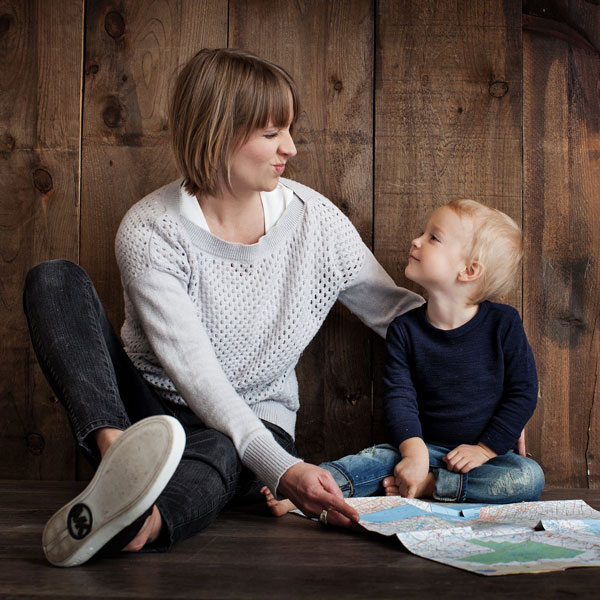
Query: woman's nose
point(287, 146)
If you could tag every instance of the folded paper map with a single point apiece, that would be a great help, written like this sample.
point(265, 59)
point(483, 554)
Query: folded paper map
point(501, 539)
point(495, 539)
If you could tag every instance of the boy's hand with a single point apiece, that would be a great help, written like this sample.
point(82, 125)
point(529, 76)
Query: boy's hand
point(410, 473)
point(465, 457)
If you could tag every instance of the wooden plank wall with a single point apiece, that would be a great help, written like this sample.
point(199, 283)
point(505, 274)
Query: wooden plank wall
point(405, 104)
point(561, 116)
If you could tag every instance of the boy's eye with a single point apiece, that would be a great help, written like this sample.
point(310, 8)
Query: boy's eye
point(433, 238)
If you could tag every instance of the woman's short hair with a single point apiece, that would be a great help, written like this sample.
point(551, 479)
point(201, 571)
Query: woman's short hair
point(497, 245)
point(220, 97)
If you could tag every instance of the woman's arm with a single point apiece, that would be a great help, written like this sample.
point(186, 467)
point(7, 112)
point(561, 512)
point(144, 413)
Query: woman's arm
point(374, 297)
point(180, 342)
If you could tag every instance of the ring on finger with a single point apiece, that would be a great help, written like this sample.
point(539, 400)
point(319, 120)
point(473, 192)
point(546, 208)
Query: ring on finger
point(323, 516)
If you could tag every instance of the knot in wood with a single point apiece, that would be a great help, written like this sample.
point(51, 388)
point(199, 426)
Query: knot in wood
point(5, 22)
point(92, 69)
point(111, 115)
point(42, 180)
point(345, 208)
point(498, 89)
point(338, 86)
point(35, 443)
point(8, 141)
point(114, 24)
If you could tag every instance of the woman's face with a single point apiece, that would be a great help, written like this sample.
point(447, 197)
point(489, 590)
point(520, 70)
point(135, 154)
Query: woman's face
point(257, 165)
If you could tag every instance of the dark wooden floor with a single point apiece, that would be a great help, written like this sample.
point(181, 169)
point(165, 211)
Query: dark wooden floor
point(252, 555)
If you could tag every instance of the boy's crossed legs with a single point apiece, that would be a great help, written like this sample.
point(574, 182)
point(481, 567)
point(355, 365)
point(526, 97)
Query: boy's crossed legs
point(504, 479)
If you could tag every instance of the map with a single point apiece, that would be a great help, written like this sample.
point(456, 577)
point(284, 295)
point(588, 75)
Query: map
point(528, 537)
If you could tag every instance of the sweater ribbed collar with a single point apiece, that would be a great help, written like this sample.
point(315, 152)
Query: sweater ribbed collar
point(285, 227)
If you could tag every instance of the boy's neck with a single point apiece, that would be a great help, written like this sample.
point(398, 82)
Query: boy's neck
point(449, 315)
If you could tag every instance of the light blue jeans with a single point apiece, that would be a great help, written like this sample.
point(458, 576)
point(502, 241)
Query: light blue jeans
point(502, 480)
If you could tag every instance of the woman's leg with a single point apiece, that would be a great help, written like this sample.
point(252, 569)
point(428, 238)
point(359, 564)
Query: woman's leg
point(210, 476)
point(502, 480)
point(102, 393)
point(80, 354)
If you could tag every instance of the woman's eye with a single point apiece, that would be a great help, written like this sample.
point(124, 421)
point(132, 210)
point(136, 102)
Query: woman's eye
point(270, 135)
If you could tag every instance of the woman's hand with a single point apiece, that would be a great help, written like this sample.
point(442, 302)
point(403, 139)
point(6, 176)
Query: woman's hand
point(465, 457)
point(313, 490)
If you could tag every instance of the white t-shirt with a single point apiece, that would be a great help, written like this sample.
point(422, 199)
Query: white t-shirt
point(274, 204)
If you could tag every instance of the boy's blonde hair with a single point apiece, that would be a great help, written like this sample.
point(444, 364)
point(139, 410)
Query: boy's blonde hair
point(221, 96)
point(497, 245)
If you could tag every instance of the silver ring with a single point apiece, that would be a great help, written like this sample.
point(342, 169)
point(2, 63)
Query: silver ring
point(323, 516)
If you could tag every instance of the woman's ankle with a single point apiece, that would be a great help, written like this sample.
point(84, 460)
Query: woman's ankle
point(105, 437)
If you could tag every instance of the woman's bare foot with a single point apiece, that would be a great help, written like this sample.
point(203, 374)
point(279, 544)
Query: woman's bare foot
point(424, 489)
point(148, 533)
point(277, 507)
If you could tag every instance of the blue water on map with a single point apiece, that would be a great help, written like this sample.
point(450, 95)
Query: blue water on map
point(456, 512)
point(593, 524)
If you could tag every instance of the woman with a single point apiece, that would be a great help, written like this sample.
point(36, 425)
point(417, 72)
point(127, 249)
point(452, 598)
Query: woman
point(228, 273)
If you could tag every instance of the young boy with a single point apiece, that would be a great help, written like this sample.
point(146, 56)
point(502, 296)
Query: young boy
point(460, 378)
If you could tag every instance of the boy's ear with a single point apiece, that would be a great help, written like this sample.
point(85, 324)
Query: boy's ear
point(472, 272)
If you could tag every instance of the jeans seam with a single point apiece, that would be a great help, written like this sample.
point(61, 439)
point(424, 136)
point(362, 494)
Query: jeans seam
point(343, 473)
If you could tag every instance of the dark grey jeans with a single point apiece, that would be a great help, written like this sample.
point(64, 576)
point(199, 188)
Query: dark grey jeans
point(90, 373)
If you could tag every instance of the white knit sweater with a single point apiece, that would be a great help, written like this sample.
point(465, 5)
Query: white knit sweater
point(220, 326)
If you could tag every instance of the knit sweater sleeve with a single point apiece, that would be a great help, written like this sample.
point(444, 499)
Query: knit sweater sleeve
point(519, 397)
point(374, 297)
point(155, 275)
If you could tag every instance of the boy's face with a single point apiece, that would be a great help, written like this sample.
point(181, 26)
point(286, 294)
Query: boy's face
point(439, 254)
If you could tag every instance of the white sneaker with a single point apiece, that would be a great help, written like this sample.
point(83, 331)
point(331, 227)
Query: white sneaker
point(130, 477)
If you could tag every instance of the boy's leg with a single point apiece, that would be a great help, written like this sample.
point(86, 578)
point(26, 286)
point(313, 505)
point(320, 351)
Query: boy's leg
point(502, 480)
point(361, 474)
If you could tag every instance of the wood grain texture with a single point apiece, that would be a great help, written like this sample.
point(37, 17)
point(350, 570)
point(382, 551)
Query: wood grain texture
point(447, 119)
point(562, 208)
point(328, 49)
point(405, 105)
point(40, 69)
point(251, 556)
point(132, 50)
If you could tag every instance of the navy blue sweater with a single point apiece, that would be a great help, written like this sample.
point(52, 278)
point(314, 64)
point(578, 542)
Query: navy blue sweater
point(476, 383)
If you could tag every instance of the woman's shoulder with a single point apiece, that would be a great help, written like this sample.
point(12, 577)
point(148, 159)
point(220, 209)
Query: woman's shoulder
point(155, 206)
point(149, 233)
point(319, 207)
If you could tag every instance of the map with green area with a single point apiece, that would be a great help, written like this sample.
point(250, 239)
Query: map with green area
point(528, 551)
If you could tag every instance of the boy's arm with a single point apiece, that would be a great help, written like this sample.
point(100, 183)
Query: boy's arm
point(400, 407)
point(413, 468)
point(519, 396)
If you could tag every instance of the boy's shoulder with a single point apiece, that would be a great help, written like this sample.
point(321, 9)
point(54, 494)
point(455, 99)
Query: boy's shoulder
point(502, 312)
point(410, 318)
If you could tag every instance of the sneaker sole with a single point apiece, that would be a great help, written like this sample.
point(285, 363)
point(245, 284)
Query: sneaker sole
point(129, 479)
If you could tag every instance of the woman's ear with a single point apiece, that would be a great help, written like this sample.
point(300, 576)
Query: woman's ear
point(472, 272)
